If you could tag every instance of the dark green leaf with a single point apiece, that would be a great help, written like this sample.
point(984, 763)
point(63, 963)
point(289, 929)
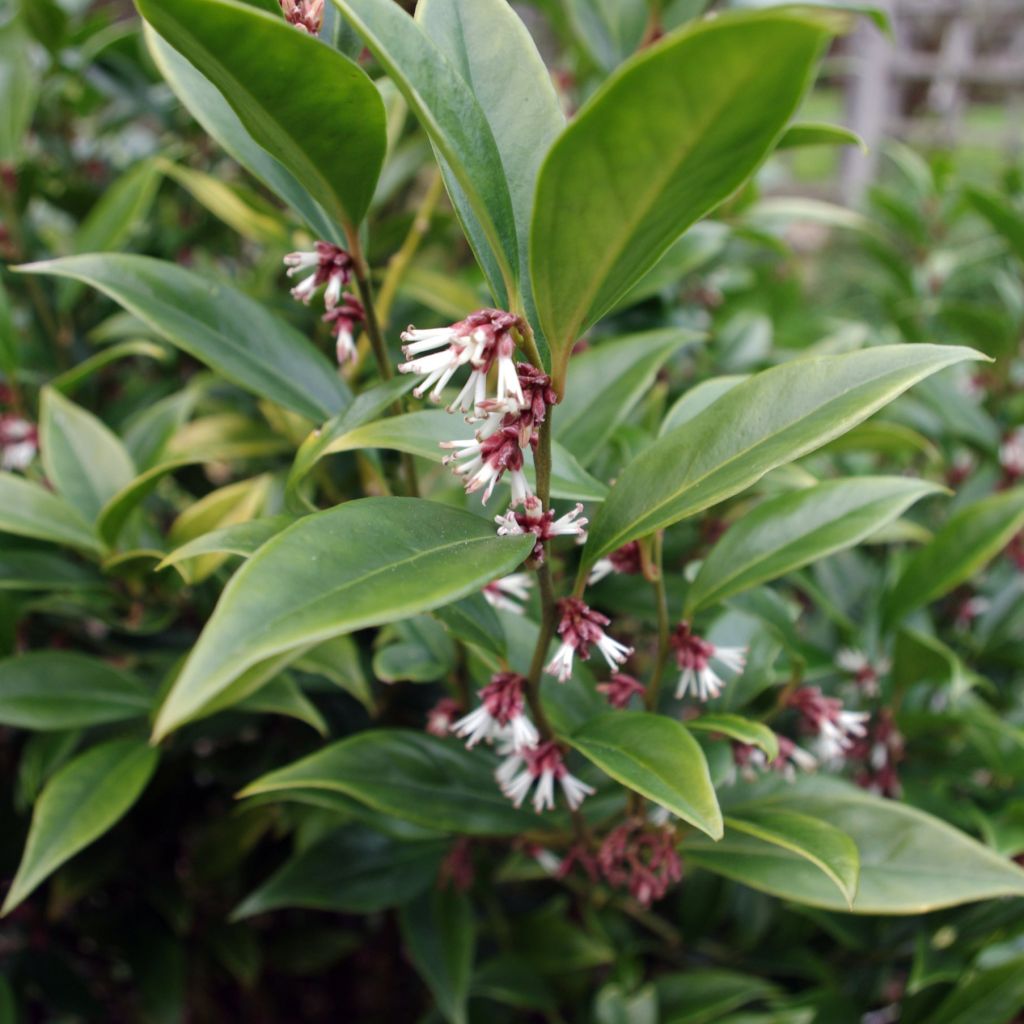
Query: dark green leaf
point(329, 104)
point(352, 871)
point(81, 802)
point(216, 324)
point(409, 775)
point(771, 419)
point(994, 996)
point(363, 563)
point(49, 690)
point(792, 530)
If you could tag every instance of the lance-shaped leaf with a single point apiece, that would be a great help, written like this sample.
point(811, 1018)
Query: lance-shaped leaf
point(793, 530)
point(770, 419)
point(450, 115)
point(667, 138)
point(205, 103)
point(736, 727)
point(81, 802)
point(492, 49)
point(361, 564)
point(216, 324)
point(409, 775)
point(29, 510)
point(655, 756)
point(969, 540)
point(910, 861)
point(308, 105)
point(84, 460)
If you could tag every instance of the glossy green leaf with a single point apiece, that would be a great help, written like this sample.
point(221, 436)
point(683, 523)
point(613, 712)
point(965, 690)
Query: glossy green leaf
point(352, 871)
point(84, 460)
point(698, 398)
point(520, 104)
point(993, 995)
point(815, 133)
point(205, 103)
point(736, 727)
point(657, 153)
point(216, 324)
point(771, 419)
point(792, 530)
point(703, 995)
point(421, 433)
point(83, 800)
point(329, 102)
point(655, 756)
point(970, 539)
point(47, 690)
point(822, 844)
point(363, 563)
point(240, 539)
point(409, 775)
point(29, 510)
point(910, 861)
point(439, 932)
point(338, 660)
point(612, 377)
point(282, 696)
point(474, 622)
point(451, 116)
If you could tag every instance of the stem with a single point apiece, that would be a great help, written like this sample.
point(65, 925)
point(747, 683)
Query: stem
point(380, 352)
point(399, 263)
point(651, 697)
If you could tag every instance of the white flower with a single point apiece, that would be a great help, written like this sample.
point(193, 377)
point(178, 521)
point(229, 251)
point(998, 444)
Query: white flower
point(501, 715)
point(541, 767)
point(694, 655)
point(510, 593)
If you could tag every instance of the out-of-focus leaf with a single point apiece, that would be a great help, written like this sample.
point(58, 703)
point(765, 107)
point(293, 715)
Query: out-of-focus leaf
point(28, 510)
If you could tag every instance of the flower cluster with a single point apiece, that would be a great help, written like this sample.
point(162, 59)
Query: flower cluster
point(836, 729)
point(328, 265)
point(510, 593)
point(694, 655)
point(501, 715)
point(866, 674)
point(879, 752)
point(19, 442)
point(580, 627)
point(307, 15)
point(625, 560)
point(541, 767)
point(620, 689)
point(641, 859)
point(533, 518)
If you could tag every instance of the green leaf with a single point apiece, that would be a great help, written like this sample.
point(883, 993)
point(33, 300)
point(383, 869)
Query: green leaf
point(82, 801)
point(698, 398)
point(361, 564)
point(117, 215)
point(818, 134)
point(736, 727)
point(970, 539)
point(910, 862)
point(409, 775)
point(520, 104)
point(474, 622)
point(216, 324)
point(611, 377)
point(1003, 217)
point(655, 756)
point(609, 30)
point(667, 138)
point(439, 932)
point(421, 433)
point(44, 570)
point(329, 102)
point(450, 115)
point(212, 111)
point(351, 871)
point(771, 419)
point(823, 845)
point(70, 380)
point(703, 995)
point(240, 539)
point(338, 661)
point(792, 530)
point(84, 460)
point(994, 996)
point(48, 690)
point(19, 88)
point(28, 510)
point(282, 696)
